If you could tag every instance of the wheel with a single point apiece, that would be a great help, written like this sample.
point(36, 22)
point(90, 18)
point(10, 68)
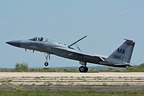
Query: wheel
point(86, 69)
point(46, 63)
point(83, 69)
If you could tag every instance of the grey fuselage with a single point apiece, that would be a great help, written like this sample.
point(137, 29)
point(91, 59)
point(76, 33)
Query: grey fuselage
point(58, 49)
point(51, 47)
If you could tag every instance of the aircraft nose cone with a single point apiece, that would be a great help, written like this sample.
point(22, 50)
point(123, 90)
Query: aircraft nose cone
point(14, 43)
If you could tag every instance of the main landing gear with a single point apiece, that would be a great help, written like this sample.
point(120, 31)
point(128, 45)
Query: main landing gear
point(47, 56)
point(83, 68)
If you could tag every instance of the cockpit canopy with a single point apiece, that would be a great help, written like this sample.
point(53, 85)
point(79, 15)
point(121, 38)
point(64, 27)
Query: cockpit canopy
point(39, 39)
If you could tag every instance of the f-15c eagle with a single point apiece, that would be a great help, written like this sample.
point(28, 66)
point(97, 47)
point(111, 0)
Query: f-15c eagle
point(119, 58)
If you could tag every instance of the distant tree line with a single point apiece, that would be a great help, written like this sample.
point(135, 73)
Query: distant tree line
point(24, 67)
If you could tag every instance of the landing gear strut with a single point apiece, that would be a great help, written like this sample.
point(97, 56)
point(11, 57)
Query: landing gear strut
point(47, 56)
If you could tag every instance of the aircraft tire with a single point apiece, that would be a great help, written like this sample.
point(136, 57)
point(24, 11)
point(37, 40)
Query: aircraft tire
point(86, 69)
point(83, 69)
point(46, 63)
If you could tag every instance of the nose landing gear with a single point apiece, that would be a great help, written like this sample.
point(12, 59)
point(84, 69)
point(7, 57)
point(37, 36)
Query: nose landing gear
point(47, 56)
point(46, 64)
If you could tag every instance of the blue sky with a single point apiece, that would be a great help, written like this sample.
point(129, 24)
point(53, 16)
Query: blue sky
point(106, 22)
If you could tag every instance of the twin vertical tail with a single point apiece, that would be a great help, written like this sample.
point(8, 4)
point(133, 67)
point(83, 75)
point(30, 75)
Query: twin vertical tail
point(124, 53)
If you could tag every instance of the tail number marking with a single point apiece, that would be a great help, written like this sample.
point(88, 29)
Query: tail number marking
point(118, 57)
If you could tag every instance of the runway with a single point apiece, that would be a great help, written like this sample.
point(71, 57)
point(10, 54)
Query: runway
point(72, 81)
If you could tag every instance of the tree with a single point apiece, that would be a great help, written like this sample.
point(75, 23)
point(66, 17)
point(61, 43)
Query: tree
point(21, 66)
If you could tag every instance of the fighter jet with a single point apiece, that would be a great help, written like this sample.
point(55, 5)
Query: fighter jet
point(121, 57)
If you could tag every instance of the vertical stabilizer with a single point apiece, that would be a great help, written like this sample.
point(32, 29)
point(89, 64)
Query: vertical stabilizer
point(124, 52)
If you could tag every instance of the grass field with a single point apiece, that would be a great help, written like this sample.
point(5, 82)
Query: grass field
point(71, 93)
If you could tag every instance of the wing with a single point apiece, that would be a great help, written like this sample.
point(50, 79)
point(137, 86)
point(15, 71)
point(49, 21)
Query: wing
point(79, 56)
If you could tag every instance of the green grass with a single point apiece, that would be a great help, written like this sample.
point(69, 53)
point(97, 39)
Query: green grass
point(72, 93)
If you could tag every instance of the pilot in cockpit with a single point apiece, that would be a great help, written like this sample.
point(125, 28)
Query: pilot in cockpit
point(38, 39)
